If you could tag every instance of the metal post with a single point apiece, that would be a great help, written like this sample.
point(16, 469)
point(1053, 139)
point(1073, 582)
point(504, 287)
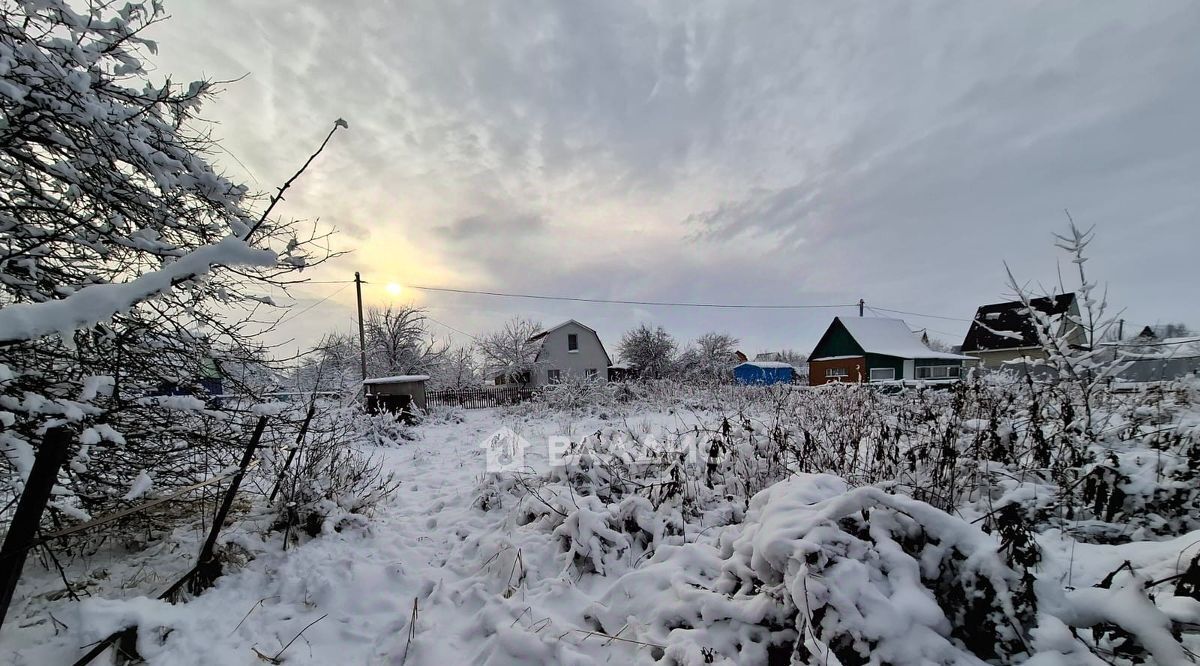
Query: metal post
point(1120, 330)
point(21, 532)
point(362, 335)
point(861, 303)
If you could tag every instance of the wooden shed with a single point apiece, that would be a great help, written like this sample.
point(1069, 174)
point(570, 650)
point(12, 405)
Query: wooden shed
point(397, 395)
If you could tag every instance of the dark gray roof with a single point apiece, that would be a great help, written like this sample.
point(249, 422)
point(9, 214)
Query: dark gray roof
point(1009, 325)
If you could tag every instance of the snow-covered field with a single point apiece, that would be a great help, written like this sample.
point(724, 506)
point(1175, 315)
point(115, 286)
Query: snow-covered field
point(618, 559)
point(428, 547)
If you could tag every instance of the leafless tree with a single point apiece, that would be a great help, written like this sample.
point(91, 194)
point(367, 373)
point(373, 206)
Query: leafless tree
point(458, 370)
point(651, 351)
point(399, 342)
point(510, 352)
point(710, 358)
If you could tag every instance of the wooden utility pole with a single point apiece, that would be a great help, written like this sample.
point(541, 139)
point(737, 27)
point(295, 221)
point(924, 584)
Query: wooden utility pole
point(28, 514)
point(362, 335)
point(861, 303)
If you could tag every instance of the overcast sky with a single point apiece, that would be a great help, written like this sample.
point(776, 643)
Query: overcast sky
point(746, 152)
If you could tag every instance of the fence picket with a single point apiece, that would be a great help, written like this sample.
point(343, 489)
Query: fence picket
point(478, 398)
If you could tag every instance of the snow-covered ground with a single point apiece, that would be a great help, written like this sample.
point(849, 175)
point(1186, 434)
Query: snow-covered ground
point(429, 548)
point(462, 566)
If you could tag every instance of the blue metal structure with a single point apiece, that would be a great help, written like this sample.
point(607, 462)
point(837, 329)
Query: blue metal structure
point(764, 372)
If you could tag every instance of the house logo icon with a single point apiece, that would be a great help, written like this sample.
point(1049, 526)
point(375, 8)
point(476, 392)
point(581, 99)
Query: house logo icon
point(505, 450)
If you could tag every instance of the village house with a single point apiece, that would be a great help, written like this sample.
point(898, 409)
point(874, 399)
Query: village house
point(568, 350)
point(1005, 333)
point(878, 349)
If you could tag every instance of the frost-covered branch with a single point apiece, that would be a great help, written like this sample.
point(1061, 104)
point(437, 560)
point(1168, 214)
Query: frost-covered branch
point(100, 302)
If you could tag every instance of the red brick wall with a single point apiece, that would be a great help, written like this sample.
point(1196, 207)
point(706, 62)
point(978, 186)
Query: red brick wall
point(856, 370)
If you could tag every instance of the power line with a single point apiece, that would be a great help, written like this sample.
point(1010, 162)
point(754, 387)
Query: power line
point(614, 301)
point(678, 304)
point(445, 325)
point(297, 314)
point(919, 314)
point(926, 329)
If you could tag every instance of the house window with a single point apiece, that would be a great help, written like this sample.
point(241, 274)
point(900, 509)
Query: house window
point(590, 373)
point(938, 371)
point(572, 342)
point(836, 373)
point(883, 374)
point(554, 376)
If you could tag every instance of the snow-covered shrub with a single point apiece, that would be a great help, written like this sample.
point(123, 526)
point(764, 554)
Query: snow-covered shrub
point(133, 272)
point(947, 500)
point(334, 480)
point(575, 393)
point(381, 429)
point(824, 573)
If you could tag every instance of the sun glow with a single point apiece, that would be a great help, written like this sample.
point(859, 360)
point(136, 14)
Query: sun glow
point(394, 289)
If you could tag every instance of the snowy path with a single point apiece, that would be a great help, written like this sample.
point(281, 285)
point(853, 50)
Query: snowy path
point(427, 542)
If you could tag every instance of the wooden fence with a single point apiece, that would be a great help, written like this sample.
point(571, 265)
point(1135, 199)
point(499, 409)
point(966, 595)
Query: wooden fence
point(478, 398)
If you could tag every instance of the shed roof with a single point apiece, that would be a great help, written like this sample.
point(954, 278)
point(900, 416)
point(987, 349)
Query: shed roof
point(397, 379)
point(891, 337)
point(1009, 325)
point(766, 364)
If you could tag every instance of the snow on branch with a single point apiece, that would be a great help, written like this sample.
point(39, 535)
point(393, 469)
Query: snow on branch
point(96, 303)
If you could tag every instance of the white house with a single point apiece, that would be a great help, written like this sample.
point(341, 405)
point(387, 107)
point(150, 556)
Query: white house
point(569, 350)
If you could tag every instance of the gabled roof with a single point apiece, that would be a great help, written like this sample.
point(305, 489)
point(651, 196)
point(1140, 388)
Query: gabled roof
point(539, 336)
point(888, 337)
point(1009, 325)
point(543, 334)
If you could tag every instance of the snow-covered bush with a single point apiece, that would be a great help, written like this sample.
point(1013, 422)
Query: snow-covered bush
point(334, 479)
point(575, 393)
point(926, 544)
point(132, 271)
point(381, 429)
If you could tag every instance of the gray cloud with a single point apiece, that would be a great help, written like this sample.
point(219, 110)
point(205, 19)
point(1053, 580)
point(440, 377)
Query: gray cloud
point(778, 151)
point(488, 227)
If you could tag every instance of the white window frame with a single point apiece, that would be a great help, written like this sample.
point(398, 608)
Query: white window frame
point(575, 337)
point(553, 376)
point(831, 373)
point(891, 374)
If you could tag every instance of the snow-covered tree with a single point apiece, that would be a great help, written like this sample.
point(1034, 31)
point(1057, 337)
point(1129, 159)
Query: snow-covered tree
point(710, 358)
point(399, 342)
point(333, 365)
point(651, 351)
point(128, 262)
point(458, 370)
point(510, 352)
